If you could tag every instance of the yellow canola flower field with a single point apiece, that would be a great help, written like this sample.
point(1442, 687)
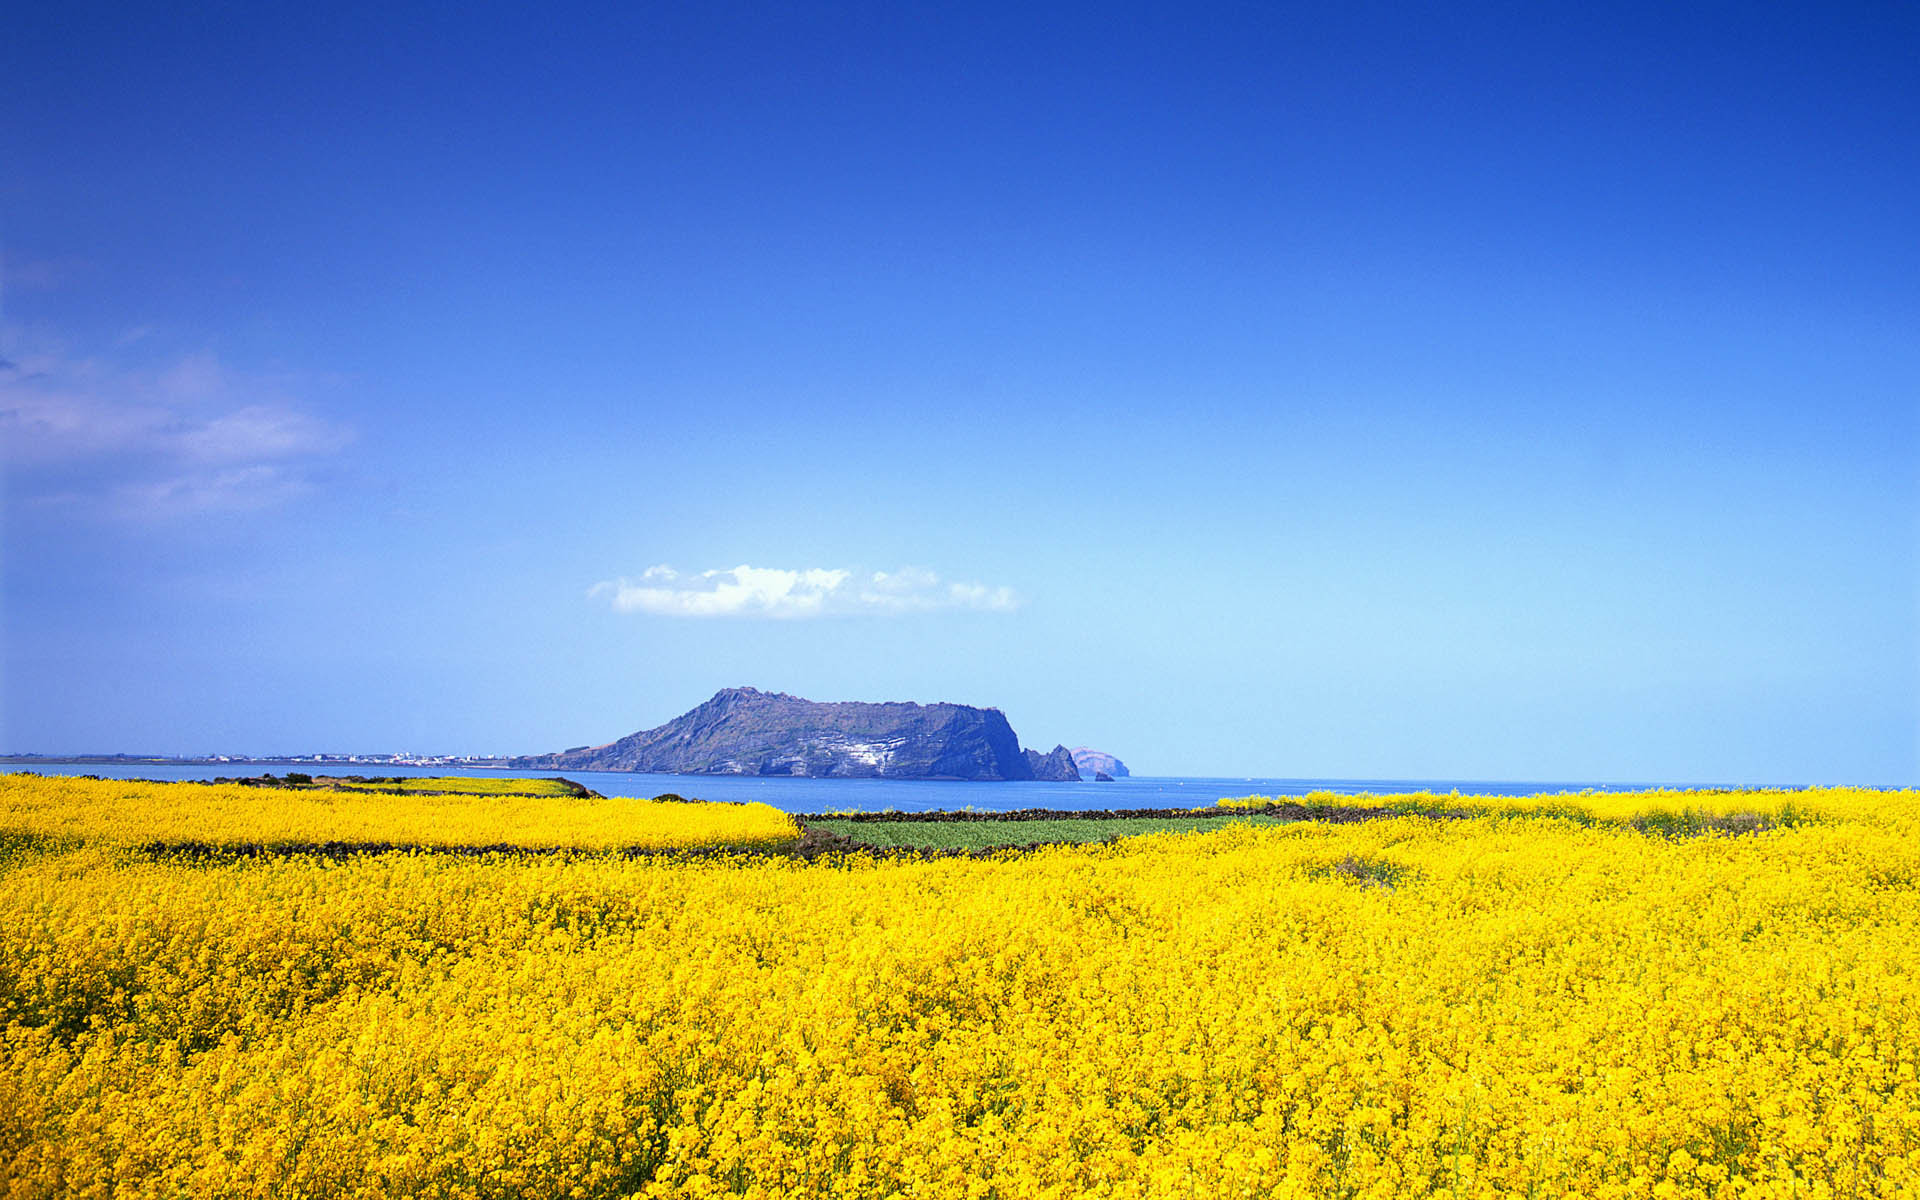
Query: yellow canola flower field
point(1497, 1006)
point(1658, 806)
point(471, 785)
point(65, 809)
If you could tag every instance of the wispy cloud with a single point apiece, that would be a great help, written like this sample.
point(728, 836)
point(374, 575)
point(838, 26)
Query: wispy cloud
point(186, 435)
point(39, 274)
point(746, 591)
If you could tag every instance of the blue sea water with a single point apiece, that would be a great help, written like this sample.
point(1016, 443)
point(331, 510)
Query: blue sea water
point(873, 795)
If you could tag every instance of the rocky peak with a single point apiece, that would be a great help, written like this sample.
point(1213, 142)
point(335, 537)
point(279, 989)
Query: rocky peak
point(1056, 766)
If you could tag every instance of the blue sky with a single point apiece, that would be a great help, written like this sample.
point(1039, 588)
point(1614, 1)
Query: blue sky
point(1351, 390)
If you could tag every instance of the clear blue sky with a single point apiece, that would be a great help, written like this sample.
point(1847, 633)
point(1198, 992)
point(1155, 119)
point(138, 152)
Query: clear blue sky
point(1477, 391)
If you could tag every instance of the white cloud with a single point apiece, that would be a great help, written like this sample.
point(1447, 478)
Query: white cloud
point(746, 591)
point(184, 436)
point(260, 431)
point(231, 489)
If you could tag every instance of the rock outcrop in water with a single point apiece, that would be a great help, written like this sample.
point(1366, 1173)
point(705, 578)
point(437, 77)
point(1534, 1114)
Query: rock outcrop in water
point(1098, 761)
point(743, 731)
point(1056, 766)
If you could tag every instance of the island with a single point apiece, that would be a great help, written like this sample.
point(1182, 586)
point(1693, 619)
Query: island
point(745, 731)
point(1099, 762)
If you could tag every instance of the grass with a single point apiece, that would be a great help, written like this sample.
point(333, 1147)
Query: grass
point(978, 835)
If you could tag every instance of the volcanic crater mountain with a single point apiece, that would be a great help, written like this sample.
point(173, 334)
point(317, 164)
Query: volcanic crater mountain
point(744, 731)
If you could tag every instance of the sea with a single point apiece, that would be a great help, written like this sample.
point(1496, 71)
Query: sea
point(871, 795)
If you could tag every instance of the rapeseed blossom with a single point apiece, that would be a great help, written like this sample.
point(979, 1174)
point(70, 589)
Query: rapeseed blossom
point(1658, 807)
point(71, 810)
point(1503, 1005)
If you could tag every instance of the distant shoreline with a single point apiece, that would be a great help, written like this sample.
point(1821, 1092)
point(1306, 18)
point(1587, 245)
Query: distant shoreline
point(451, 762)
point(291, 760)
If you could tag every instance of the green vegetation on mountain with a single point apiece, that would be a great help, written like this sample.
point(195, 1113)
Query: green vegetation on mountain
point(744, 731)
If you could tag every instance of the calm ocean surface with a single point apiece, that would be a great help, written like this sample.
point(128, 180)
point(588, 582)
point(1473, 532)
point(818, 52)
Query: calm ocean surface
point(874, 795)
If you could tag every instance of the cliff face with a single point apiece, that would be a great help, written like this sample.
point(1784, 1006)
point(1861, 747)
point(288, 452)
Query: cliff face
point(742, 731)
point(1099, 760)
point(1056, 766)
